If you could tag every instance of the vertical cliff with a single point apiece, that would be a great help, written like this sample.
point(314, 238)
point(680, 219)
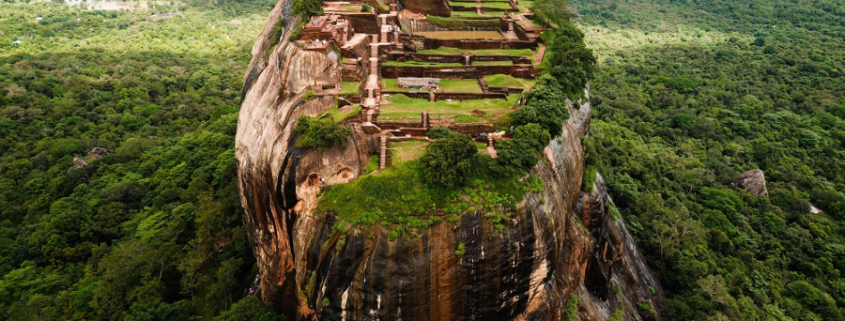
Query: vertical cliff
point(558, 243)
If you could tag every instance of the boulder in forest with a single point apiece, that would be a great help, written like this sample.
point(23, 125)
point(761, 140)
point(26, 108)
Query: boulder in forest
point(754, 182)
point(99, 152)
point(77, 164)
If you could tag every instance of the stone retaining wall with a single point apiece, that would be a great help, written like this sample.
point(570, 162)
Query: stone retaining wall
point(364, 23)
point(472, 129)
point(459, 72)
point(421, 42)
point(507, 90)
point(405, 56)
point(447, 95)
point(389, 125)
point(432, 7)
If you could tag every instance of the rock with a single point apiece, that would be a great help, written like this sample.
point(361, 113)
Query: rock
point(77, 164)
point(99, 152)
point(526, 271)
point(754, 182)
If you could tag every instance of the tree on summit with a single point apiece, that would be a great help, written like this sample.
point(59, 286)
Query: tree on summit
point(449, 160)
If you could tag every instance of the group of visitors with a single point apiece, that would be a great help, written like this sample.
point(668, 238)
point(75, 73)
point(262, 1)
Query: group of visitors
point(316, 43)
point(314, 181)
point(254, 288)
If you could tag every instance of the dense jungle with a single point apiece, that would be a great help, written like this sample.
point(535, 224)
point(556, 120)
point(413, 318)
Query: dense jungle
point(687, 96)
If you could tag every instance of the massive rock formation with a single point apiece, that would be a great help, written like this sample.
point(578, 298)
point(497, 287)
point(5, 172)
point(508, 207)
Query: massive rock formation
point(558, 243)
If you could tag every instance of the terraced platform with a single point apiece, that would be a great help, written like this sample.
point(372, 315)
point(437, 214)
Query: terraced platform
point(484, 55)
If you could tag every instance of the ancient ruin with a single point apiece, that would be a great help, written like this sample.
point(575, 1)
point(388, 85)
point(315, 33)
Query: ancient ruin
point(387, 53)
point(392, 72)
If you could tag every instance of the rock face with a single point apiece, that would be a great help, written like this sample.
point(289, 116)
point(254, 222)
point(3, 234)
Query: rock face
point(77, 164)
point(99, 152)
point(558, 242)
point(754, 182)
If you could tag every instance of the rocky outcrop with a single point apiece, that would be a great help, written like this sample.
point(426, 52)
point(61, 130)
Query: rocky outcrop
point(77, 164)
point(99, 152)
point(616, 279)
point(754, 182)
point(558, 242)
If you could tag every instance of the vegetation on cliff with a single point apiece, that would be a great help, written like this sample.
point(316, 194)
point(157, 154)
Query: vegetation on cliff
point(320, 134)
point(688, 95)
point(153, 231)
point(449, 160)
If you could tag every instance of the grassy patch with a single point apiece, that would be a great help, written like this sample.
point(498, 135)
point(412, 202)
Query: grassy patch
point(493, 63)
point(503, 81)
point(392, 84)
point(401, 195)
point(405, 151)
point(456, 22)
point(461, 85)
point(421, 64)
point(450, 85)
point(404, 103)
point(383, 6)
point(484, 5)
point(504, 52)
point(464, 118)
point(589, 179)
point(349, 87)
point(372, 166)
point(495, 35)
point(473, 14)
point(338, 116)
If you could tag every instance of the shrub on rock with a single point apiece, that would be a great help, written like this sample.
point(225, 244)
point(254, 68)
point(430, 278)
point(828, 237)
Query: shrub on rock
point(320, 134)
point(449, 160)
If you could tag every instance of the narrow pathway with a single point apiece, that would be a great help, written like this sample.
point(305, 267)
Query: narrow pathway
point(373, 101)
point(483, 83)
point(526, 86)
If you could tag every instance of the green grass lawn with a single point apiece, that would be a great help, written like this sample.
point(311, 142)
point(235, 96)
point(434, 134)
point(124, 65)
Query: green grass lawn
point(402, 103)
point(405, 151)
point(493, 63)
point(349, 87)
point(400, 196)
point(508, 81)
point(461, 85)
point(526, 4)
point(464, 118)
point(468, 14)
point(503, 81)
point(450, 85)
point(339, 116)
point(486, 5)
point(392, 84)
point(422, 64)
point(504, 52)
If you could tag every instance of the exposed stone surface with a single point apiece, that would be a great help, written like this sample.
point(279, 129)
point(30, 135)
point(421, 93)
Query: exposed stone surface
point(754, 182)
point(77, 164)
point(99, 152)
point(527, 271)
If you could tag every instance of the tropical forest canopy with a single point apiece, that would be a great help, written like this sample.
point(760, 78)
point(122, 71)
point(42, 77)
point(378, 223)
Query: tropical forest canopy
point(688, 95)
point(155, 230)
